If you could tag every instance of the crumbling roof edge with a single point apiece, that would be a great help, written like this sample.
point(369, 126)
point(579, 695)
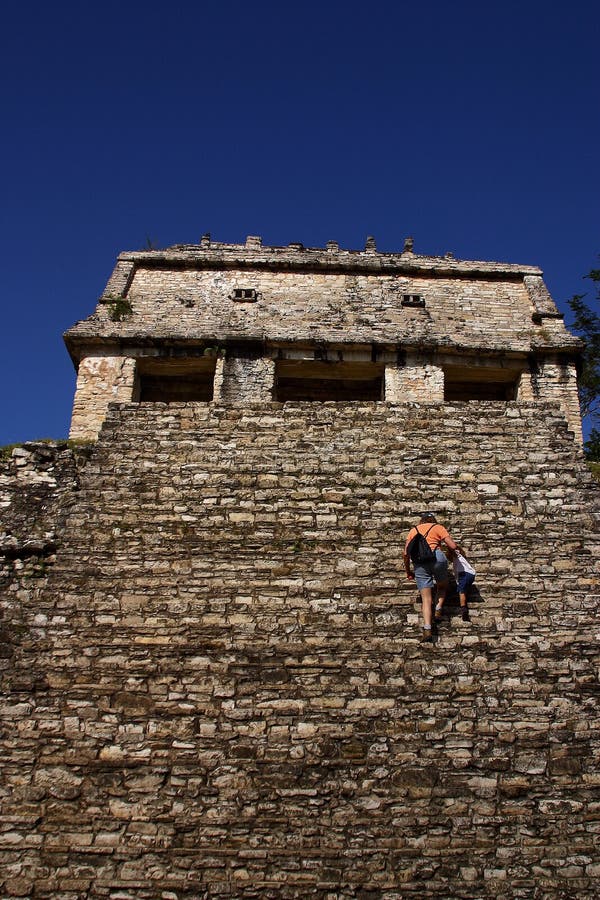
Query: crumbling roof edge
point(298, 257)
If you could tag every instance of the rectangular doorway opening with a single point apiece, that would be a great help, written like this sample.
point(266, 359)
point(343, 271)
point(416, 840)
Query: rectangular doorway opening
point(319, 381)
point(175, 380)
point(480, 383)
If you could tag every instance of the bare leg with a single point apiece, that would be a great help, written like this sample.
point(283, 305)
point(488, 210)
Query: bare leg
point(442, 587)
point(426, 598)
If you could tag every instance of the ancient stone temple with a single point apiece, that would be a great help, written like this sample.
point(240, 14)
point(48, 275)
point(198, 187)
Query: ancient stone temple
point(212, 684)
point(246, 324)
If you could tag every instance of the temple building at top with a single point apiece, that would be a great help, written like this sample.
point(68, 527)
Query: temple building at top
point(245, 324)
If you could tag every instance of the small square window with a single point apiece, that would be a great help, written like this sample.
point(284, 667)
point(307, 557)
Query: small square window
point(245, 295)
point(413, 300)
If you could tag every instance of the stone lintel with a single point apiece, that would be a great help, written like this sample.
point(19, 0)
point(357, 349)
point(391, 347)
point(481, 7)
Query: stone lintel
point(81, 346)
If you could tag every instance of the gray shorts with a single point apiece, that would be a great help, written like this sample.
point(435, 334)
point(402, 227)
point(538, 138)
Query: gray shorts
point(429, 575)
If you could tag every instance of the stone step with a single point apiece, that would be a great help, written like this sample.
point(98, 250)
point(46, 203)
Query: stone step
point(221, 675)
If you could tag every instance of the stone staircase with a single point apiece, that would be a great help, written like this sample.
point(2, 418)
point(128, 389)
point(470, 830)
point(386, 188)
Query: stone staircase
point(229, 697)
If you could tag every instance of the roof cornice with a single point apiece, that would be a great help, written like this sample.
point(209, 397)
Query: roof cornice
point(295, 257)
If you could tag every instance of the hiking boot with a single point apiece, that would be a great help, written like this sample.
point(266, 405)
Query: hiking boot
point(426, 636)
point(465, 614)
point(439, 615)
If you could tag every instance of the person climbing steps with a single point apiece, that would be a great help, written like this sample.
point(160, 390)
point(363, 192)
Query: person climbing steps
point(423, 551)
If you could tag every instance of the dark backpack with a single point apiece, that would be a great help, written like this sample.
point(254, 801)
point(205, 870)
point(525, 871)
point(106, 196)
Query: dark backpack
point(419, 550)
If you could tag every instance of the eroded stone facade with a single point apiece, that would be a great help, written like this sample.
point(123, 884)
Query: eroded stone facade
point(431, 327)
point(102, 379)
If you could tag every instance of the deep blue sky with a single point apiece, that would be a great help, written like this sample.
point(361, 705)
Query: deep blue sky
point(472, 126)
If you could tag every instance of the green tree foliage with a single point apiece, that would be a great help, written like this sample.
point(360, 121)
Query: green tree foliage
point(592, 446)
point(587, 325)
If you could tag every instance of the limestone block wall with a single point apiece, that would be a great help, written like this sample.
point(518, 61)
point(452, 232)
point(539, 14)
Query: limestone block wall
point(416, 381)
point(216, 291)
point(242, 380)
point(558, 381)
point(186, 303)
point(219, 691)
point(553, 379)
point(525, 391)
point(101, 379)
point(38, 484)
point(419, 378)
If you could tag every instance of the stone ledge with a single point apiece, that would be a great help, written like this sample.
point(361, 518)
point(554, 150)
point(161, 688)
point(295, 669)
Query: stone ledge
point(230, 255)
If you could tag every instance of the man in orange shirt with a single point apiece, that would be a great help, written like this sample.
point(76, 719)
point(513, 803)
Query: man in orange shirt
point(430, 574)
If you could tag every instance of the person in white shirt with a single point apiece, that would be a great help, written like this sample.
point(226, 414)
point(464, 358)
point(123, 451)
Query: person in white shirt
point(465, 576)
